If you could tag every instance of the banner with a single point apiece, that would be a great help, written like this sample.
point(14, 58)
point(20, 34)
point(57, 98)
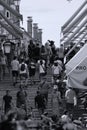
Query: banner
point(77, 78)
point(77, 59)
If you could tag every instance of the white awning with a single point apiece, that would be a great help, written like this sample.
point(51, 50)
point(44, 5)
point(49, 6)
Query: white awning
point(77, 78)
point(76, 60)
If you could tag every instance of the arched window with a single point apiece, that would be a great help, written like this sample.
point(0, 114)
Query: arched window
point(7, 14)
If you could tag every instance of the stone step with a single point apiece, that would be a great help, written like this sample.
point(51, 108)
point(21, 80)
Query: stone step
point(31, 91)
point(9, 80)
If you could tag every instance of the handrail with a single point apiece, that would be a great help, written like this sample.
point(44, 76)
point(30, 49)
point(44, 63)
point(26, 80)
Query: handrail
point(74, 15)
point(79, 18)
point(78, 29)
point(75, 44)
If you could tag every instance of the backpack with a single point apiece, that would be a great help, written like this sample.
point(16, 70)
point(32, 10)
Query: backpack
point(22, 67)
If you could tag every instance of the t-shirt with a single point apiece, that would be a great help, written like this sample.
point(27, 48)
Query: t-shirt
point(15, 65)
point(41, 66)
point(70, 96)
point(55, 70)
point(44, 87)
point(39, 100)
point(3, 60)
point(21, 97)
point(7, 99)
point(32, 65)
point(25, 70)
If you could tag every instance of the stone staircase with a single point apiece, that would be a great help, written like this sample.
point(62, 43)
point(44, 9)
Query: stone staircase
point(31, 92)
point(6, 83)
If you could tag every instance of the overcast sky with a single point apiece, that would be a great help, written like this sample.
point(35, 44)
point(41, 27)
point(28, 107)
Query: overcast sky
point(49, 14)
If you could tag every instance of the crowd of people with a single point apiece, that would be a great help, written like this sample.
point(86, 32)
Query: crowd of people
point(21, 117)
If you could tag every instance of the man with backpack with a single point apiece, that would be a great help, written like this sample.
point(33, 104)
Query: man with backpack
point(42, 68)
point(23, 72)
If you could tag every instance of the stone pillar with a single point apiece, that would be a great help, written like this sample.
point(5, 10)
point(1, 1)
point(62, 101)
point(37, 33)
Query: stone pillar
point(29, 25)
point(17, 8)
point(40, 36)
point(35, 31)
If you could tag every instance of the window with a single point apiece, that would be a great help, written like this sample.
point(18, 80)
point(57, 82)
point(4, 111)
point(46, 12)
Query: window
point(7, 14)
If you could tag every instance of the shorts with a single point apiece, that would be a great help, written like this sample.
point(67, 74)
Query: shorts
point(14, 73)
point(42, 74)
point(24, 75)
point(32, 72)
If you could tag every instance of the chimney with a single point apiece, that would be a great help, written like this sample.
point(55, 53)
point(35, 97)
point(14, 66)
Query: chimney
point(40, 36)
point(35, 31)
point(29, 25)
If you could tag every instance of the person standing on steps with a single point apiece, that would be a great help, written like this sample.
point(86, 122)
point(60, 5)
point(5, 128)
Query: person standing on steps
point(23, 73)
point(32, 71)
point(7, 102)
point(71, 100)
point(3, 65)
point(44, 89)
point(40, 102)
point(21, 98)
point(42, 69)
point(15, 69)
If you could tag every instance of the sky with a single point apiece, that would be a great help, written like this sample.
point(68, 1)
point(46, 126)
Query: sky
point(50, 15)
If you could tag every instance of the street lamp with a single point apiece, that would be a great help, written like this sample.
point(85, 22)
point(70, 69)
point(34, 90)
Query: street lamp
point(7, 47)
